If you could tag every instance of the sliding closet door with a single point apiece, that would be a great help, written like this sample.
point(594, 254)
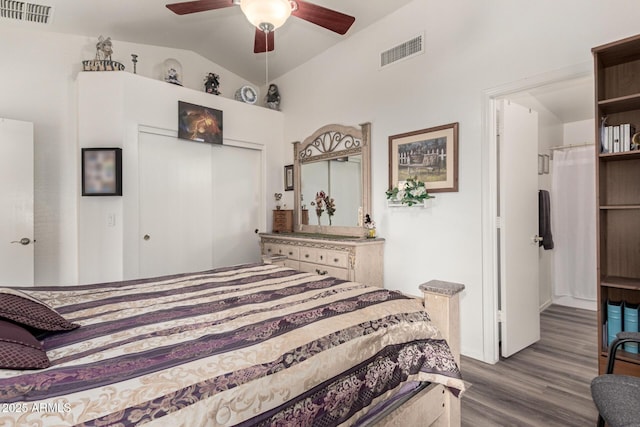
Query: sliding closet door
point(176, 207)
point(237, 204)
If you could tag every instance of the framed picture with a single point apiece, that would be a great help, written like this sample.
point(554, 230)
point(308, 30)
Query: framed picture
point(102, 172)
point(428, 155)
point(288, 178)
point(197, 123)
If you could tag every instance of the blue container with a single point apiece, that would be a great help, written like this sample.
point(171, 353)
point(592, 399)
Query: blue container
point(631, 325)
point(614, 320)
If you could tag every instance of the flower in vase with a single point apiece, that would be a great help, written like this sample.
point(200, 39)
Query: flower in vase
point(331, 206)
point(319, 203)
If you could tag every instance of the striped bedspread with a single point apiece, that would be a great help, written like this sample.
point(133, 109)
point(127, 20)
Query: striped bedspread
point(245, 345)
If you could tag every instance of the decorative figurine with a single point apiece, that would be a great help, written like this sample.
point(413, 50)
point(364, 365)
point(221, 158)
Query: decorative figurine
point(212, 83)
point(104, 48)
point(272, 99)
point(172, 72)
point(102, 61)
point(134, 59)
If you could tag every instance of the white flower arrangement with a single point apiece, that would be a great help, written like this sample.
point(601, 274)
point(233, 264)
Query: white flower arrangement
point(413, 192)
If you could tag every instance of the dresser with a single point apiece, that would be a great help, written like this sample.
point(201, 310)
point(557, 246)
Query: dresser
point(348, 258)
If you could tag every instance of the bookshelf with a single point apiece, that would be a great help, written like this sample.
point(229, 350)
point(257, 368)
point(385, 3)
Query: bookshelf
point(617, 102)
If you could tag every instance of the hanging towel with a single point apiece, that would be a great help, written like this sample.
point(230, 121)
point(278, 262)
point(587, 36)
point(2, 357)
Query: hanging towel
point(544, 219)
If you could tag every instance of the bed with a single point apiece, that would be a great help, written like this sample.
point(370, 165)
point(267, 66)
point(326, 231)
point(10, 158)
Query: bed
point(255, 344)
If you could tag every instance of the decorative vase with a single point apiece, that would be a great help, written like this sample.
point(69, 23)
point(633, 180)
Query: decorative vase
point(371, 233)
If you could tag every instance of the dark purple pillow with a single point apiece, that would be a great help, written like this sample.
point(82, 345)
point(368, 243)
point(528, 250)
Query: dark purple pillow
point(24, 309)
point(19, 349)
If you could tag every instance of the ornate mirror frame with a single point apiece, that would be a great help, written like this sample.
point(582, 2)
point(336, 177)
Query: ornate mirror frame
point(331, 142)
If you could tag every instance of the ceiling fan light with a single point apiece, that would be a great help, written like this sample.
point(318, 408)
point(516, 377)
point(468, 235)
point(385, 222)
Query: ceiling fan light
point(273, 13)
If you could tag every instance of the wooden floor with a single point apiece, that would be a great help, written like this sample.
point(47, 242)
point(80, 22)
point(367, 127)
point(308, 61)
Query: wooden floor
point(546, 384)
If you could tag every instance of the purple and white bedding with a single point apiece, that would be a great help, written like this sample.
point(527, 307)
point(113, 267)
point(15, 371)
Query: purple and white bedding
point(246, 345)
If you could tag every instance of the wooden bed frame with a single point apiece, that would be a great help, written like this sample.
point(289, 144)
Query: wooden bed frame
point(435, 406)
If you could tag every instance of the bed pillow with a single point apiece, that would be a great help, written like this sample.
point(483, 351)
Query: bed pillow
point(19, 349)
point(24, 309)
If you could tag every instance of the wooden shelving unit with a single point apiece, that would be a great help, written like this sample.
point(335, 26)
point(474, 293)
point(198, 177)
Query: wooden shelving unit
point(617, 77)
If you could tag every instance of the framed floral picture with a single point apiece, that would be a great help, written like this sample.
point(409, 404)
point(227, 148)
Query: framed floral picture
point(427, 155)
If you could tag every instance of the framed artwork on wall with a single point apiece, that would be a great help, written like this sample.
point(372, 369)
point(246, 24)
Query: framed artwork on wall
point(288, 178)
point(102, 171)
point(427, 155)
point(197, 123)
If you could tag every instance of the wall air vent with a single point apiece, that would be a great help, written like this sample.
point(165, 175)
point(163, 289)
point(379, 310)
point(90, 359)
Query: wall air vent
point(406, 50)
point(23, 11)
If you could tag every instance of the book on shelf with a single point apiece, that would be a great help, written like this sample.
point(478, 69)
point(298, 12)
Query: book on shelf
point(630, 315)
point(617, 138)
point(614, 320)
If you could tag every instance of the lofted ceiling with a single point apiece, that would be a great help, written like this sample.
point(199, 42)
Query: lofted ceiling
point(223, 36)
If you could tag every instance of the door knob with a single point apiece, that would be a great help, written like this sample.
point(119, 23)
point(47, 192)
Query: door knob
point(537, 239)
point(146, 237)
point(24, 241)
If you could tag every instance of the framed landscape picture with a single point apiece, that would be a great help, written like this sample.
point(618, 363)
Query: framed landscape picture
point(427, 155)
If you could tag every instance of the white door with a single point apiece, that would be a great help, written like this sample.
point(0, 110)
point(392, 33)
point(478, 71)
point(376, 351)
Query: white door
point(16, 203)
point(176, 213)
point(518, 201)
point(237, 205)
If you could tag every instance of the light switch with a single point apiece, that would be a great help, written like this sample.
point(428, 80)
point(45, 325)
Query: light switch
point(111, 220)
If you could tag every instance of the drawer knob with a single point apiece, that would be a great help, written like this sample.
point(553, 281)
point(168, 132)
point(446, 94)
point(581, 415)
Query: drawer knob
point(306, 255)
point(321, 257)
point(321, 273)
point(335, 260)
point(269, 250)
point(290, 253)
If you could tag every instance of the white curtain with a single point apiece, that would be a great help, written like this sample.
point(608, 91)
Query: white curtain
point(573, 223)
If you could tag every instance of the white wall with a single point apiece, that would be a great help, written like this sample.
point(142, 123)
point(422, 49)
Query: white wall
point(112, 107)
point(470, 47)
point(37, 84)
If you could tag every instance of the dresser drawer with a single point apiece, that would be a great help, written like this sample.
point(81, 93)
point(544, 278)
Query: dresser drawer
point(309, 254)
point(292, 264)
point(336, 259)
point(291, 252)
point(340, 273)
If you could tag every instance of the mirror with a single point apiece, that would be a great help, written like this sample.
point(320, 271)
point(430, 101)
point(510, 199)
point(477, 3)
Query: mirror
point(334, 162)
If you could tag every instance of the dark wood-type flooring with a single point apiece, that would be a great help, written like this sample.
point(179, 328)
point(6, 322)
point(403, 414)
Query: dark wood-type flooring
point(546, 384)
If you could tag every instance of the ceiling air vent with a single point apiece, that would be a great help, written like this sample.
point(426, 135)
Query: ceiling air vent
point(408, 49)
point(23, 11)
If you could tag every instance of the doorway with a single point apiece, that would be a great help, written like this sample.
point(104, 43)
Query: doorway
point(543, 87)
point(16, 203)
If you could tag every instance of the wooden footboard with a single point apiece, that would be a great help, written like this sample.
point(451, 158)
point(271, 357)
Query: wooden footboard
point(435, 406)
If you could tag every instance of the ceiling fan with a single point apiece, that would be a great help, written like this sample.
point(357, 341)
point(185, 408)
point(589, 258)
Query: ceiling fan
point(267, 15)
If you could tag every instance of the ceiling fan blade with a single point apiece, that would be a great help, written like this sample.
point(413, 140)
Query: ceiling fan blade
point(260, 44)
point(198, 6)
point(326, 18)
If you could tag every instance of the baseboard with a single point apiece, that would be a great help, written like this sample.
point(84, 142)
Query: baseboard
point(575, 303)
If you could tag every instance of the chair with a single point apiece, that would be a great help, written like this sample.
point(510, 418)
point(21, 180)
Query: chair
point(617, 397)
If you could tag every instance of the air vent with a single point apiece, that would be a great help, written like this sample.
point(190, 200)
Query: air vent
point(406, 50)
point(23, 11)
